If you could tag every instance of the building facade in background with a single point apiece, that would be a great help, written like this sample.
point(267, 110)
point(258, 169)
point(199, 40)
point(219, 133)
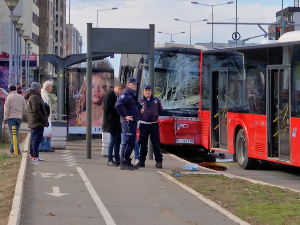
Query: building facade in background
point(74, 43)
point(52, 34)
point(291, 16)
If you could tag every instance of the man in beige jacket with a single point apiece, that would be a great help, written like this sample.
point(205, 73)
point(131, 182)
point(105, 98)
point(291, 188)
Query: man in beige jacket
point(13, 110)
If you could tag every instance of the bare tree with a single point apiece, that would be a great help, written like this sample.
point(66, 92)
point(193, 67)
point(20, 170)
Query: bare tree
point(102, 64)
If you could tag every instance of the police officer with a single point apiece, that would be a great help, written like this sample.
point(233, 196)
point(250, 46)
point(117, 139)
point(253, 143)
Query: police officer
point(151, 107)
point(128, 108)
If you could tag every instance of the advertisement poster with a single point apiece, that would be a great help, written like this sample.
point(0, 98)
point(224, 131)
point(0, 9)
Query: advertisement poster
point(102, 82)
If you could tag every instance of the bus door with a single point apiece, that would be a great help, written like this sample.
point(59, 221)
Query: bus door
point(278, 111)
point(219, 91)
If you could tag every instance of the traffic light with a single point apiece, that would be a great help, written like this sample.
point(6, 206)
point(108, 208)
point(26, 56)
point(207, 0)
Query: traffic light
point(277, 33)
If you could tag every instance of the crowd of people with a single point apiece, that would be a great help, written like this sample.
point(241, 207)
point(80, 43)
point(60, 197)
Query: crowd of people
point(123, 115)
point(39, 111)
point(123, 111)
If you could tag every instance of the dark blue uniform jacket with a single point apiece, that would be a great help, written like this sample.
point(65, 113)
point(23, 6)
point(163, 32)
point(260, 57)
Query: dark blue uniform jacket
point(127, 105)
point(152, 109)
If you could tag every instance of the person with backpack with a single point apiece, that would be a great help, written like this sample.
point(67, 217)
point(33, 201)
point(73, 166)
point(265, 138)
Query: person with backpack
point(37, 119)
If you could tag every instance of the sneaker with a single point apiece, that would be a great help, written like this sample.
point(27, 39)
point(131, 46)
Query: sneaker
point(112, 163)
point(126, 167)
point(37, 159)
point(136, 162)
point(134, 166)
point(140, 164)
point(118, 163)
point(31, 157)
point(12, 153)
point(158, 165)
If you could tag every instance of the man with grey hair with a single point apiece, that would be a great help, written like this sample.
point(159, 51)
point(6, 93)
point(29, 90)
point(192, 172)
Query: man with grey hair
point(37, 118)
point(45, 145)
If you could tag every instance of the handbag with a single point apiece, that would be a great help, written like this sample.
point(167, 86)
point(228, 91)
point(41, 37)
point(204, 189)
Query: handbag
point(48, 131)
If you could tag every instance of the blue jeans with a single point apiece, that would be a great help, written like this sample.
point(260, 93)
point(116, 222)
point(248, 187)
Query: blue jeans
point(35, 140)
point(13, 122)
point(136, 148)
point(114, 146)
point(45, 144)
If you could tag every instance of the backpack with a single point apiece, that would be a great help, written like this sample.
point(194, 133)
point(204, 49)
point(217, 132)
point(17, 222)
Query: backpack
point(47, 109)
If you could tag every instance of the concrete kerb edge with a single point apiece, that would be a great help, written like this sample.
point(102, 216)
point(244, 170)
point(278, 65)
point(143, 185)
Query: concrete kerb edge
point(15, 213)
point(205, 200)
point(234, 176)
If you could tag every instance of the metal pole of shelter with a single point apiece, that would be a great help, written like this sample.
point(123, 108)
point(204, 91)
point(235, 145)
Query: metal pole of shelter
point(19, 62)
point(61, 92)
point(89, 92)
point(151, 77)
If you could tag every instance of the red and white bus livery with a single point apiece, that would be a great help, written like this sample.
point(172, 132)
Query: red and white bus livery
point(244, 100)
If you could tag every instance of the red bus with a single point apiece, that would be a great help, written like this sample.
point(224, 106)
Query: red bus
point(248, 103)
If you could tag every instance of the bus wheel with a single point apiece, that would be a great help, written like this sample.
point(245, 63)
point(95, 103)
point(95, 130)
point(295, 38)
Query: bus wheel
point(241, 151)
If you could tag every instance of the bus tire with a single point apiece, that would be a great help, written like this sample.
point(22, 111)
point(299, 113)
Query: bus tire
point(241, 151)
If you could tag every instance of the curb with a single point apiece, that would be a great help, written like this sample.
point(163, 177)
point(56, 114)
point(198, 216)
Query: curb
point(15, 213)
point(205, 200)
point(234, 176)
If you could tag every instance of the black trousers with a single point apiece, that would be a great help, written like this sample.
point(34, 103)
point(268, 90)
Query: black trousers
point(152, 130)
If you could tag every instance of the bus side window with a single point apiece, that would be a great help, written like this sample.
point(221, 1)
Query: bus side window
point(255, 91)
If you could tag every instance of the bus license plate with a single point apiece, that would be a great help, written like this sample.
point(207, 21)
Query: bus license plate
point(184, 141)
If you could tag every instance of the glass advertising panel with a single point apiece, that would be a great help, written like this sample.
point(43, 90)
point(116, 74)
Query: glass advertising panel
point(102, 82)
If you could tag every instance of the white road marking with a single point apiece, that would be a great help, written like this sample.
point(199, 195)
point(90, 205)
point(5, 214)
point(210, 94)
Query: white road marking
point(106, 215)
point(65, 151)
point(56, 192)
point(72, 164)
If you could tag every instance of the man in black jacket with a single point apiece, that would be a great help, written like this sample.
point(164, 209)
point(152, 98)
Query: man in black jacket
point(37, 119)
point(112, 125)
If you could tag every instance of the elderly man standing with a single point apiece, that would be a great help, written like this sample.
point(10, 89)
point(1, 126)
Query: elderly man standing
point(149, 126)
point(14, 105)
point(45, 145)
point(37, 119)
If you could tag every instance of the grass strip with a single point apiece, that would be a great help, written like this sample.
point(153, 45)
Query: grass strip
point(255, 203)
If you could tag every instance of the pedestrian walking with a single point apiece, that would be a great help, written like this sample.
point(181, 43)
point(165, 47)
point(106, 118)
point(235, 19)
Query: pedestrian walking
point(149, 126)
point(13, 110)
point(128, 108)
point(37, 118)
point(45, 145)
point(112, 124)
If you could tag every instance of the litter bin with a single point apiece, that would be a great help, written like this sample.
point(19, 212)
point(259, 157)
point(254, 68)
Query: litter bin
point(59, 134)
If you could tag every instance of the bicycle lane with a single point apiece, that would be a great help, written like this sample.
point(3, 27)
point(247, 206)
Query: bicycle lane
point(54, 193)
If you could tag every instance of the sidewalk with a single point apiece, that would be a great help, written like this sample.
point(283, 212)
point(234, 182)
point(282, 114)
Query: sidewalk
point(68, 188)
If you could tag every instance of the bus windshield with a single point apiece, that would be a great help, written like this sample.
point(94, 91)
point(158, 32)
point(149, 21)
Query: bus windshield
point(176, 80)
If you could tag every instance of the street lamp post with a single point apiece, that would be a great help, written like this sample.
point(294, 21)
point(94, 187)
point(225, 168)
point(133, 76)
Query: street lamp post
point(190, 22)
point(11, 4)
point(171, 34)
point(104, 10)
point(15, 21)
point(28, 42)
point(25, 37)
point(18, 28)
point(21, 32)
point(212, 17)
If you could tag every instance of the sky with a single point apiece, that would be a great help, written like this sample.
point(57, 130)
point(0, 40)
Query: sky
point(141, 13)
